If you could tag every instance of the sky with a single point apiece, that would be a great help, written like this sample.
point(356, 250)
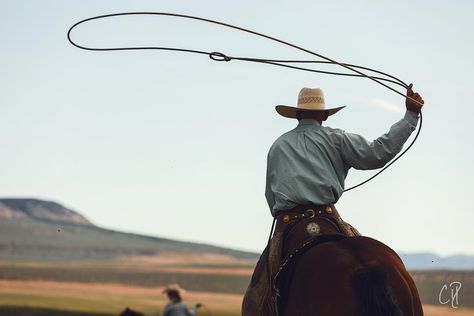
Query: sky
point(174, 145)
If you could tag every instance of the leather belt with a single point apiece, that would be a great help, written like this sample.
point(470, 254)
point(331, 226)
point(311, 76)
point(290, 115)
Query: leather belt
point(306, 211)
point(302, 212)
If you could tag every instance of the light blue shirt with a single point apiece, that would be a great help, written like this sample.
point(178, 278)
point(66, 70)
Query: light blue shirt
point(177, 309)
point(308, 165)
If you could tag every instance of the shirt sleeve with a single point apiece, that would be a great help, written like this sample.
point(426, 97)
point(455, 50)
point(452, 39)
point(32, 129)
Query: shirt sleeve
point(269, 195)
point(358, 153)
point(166, 311)
point(191, 312)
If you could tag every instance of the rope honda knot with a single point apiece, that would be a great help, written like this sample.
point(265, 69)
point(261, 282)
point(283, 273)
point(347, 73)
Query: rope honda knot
point(219, 56)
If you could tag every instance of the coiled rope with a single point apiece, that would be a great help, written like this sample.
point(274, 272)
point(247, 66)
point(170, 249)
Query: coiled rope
point(218, 56)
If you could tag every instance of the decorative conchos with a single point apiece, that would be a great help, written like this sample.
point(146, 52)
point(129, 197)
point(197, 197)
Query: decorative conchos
point(328, 209)
point(313, 228)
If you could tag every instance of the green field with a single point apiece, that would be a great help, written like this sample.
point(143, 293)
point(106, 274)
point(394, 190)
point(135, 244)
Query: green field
point(34, 240)
point(429, 284)
point(32, 311)
point(107, 287)
point(218, 283)
point(37, 297)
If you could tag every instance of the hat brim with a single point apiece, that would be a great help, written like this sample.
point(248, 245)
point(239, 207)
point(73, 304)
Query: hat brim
point(291, 111)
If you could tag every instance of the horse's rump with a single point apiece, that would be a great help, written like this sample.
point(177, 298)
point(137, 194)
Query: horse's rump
point(351, 276)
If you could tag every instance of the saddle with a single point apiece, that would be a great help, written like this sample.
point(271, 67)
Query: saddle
point(296, 231)
point(303, 228)
point(308, 222)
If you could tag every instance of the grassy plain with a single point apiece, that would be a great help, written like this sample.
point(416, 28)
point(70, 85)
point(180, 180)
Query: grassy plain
point(230, 278)
point(107, 299)
point(100, 288)
point(35, 298)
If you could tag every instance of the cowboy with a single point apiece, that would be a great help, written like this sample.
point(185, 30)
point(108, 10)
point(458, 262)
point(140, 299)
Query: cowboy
point(176, 306)
point(306, 169)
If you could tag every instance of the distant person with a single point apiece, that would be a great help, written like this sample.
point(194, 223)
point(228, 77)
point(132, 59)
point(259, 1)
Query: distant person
point(176, 306)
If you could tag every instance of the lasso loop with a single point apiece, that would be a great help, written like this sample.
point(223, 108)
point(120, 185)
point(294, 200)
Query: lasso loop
point(355, 70)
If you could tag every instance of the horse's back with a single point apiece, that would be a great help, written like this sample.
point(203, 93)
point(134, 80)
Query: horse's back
point(328, 271)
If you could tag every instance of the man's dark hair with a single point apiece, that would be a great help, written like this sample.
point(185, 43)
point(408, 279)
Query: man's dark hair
point(319, 116)
point(174, 296)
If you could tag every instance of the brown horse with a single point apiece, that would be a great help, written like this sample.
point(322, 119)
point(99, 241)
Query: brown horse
point(354, 276)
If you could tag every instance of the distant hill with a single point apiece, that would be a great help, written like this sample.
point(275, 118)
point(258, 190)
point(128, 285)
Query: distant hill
point(40, 210)
point(43, 230)
point(431, 261)
point(33, 229)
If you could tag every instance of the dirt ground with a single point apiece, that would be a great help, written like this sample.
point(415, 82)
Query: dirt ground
point(431, 310)
point(107, 298)
point(112, 298)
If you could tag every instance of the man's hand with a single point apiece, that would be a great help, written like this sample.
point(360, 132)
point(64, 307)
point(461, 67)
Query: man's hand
point(412, 105)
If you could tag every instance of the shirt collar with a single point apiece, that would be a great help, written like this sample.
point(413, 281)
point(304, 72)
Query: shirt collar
point(307, 121)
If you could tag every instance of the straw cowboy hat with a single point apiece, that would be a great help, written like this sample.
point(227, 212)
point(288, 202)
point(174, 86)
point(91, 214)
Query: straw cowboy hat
point(173, 288)
point(309, 100)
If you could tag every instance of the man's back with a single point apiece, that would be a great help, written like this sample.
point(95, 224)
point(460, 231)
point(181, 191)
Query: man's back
point(302, 160)
point(177, 309)
point(308, 165)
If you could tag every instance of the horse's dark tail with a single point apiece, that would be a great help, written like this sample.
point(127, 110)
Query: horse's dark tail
point(373, 293)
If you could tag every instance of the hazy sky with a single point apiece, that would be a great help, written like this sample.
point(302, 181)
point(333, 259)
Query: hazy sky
point(174, 145)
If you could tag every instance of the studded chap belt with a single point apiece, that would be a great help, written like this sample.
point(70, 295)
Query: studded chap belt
point(320, 218)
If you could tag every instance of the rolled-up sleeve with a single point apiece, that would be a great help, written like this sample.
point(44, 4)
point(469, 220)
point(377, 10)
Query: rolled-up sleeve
point(361, 154)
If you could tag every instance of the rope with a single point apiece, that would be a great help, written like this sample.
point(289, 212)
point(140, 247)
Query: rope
point(218, 56)
point(222, 57)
